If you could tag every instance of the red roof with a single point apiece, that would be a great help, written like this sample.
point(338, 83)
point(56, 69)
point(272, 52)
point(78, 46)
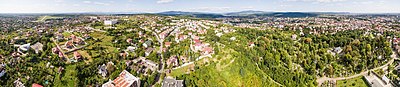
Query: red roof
point(207, 49)
point(36, 85)
point(196, 40)
point(198, 44)
point(167, 43)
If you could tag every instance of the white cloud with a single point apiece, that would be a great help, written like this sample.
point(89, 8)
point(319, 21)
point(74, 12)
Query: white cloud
point(322, 1)
point(59, 1)
point(88, 2)
point(101, 3)
point(164, 1)
point(96, 3)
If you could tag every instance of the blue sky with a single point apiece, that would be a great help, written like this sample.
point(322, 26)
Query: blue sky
point(218, 6)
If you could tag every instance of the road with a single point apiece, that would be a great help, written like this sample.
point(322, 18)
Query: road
point(59, 48)
point(161, 41)
point(323, 79)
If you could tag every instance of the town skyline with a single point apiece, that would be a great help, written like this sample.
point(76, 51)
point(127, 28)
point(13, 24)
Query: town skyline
point(220, 6)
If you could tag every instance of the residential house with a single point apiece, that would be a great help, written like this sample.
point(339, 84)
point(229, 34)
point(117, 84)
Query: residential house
point(167, 44)
point(129, 40)
point(102, 70)
point(173, 61)
point(207, 50)
point(36, 85)
point(77, 55)
point(37, 47)
point(125, 79)
point(131, 49)
point(171, 82)
point(148, 51)
point(147, 44)
point(2, 70)
point(18, 83)
point(24, 48)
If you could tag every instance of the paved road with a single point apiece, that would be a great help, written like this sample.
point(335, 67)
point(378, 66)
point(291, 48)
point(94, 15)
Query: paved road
point(323, 79)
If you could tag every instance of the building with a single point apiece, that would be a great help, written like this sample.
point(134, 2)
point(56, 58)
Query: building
point(18, 83)
point(24, 47)
point(2, 70)
point(148, 51)
point(125, 79)
point(102, 70)
point(36, 85)
point(110, 22)
point(37, 47)
point(375, 81)
point(171, 82)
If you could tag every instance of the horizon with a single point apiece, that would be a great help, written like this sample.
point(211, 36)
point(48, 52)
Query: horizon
point(202, 12)
point(205, 6)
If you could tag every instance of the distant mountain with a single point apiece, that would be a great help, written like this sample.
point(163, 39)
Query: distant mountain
point(245, 13)
point(192, 14)
point(177, 13)
point(288, 14)
point(249, 13)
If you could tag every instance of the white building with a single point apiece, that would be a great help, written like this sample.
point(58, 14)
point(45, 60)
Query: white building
point(110, 22)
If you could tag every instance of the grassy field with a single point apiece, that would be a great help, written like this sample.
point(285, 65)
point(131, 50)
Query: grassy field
point(238, 73)
point(355, 82)
point(68, 79)
point(44, 18)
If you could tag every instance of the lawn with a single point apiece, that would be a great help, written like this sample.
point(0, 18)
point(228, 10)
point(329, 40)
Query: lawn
point(86, 55)
point(44, 18)
point(105, 40)
point(68, 78)
point(355, 82)
point(234, 74)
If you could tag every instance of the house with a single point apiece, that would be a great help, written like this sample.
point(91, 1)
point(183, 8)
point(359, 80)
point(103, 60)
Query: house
point(77, 55)
point(294, 37)
point(173, 60)
point(110, 22)
point(124, 54)
point(129, 40)
point(60, 69)
point(18, 83)
point(86, 36)
point(219, 34)
point(125, 79)
point(233, 38)
point(148, 51)
point(150, 64)
point(147, 44)
point(24, 47)
point(36, 85)
point(207, 50)
point(2, 70)
point(337, 50)
point(251, 44)
point(167, 44)
point(102, 70)
point(171, 82)
point(37, 47)
point(131, 49)
point(69, 44)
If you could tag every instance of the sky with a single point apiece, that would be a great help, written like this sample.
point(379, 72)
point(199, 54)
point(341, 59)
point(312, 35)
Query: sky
point(215, 6)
